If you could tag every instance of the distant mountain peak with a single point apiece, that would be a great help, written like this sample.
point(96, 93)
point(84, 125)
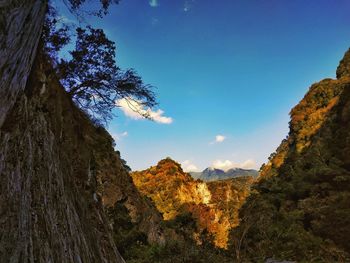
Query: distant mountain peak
point(212, 205)
point(213, 169)
point(214, 174)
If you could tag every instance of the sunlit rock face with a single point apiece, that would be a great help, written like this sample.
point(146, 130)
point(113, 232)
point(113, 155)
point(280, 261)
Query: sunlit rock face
point(308, 117)
point(213, 205)
point(204, 193)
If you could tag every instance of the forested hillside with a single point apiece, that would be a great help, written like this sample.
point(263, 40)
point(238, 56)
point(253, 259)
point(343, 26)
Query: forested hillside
point(213, 205)
point(300, 208)
point(66, 195)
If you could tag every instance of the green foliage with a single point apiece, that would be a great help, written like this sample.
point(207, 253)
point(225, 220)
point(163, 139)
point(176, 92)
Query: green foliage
point(183, 224)
point(300, 210)
point(125, 233)
point(176, 251)
point(133, 245)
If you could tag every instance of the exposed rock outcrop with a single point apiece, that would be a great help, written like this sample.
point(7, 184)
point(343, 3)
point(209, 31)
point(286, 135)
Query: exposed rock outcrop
point(20, 28)
point(49, 207)
point(213, 205)
point(59, 172)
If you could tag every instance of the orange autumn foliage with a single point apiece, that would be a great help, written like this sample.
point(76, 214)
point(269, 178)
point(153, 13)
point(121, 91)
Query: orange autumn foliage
point(213, 205)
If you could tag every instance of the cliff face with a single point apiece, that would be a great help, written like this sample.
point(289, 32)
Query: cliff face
point(59, 173)
point(49, 207)
point(117, 191)
point(214, 205)
point(306, 120)
point(20, 28)
point(299, 209)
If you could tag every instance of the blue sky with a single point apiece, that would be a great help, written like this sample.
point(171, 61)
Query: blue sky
point(226, 74)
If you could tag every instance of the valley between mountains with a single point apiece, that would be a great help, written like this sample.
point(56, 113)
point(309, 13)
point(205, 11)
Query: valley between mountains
point(66, 194)
point(213, 205)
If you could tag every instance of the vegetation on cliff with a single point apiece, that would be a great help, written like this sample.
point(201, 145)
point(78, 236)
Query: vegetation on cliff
point(54, 161)
point(213, 206)
point(299, 209)
point(67, 196)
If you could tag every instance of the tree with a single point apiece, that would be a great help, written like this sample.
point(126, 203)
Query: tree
point(21, 23)
point(91, 76)
point(94, 81)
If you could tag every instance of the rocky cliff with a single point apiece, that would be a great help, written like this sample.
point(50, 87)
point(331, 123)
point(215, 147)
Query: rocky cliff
point(299, 209)
point(50, 209)
point(214, 205)
point(59, 174)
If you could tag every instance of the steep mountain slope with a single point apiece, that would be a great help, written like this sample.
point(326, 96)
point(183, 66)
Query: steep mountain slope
point(213, 205)
point(49, 209)
point(58, 172)
point(300, 209)
point(213, 174)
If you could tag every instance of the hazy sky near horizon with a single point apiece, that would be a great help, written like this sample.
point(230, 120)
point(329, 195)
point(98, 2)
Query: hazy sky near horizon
point(226, 73)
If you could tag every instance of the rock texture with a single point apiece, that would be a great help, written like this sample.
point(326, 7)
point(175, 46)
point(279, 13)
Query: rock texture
point(50, 210)
point(116, 187)
point(58, 174)
point(213, 205)
point(20, 28)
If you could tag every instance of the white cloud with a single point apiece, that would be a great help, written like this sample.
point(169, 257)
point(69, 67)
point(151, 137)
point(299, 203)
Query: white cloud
point(134, 110)
point(223, 165)
point(219, 138)
point(227, 164)
point(153, 3)
point(248, 164)
point(188, 166)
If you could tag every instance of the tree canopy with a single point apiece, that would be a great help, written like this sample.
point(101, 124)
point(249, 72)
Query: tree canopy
point(75, 5)
point(90, 75)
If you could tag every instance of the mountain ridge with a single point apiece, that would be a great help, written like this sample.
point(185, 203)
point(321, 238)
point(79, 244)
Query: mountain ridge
point(302, 196)
point(214, 174)
point(213, 205)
